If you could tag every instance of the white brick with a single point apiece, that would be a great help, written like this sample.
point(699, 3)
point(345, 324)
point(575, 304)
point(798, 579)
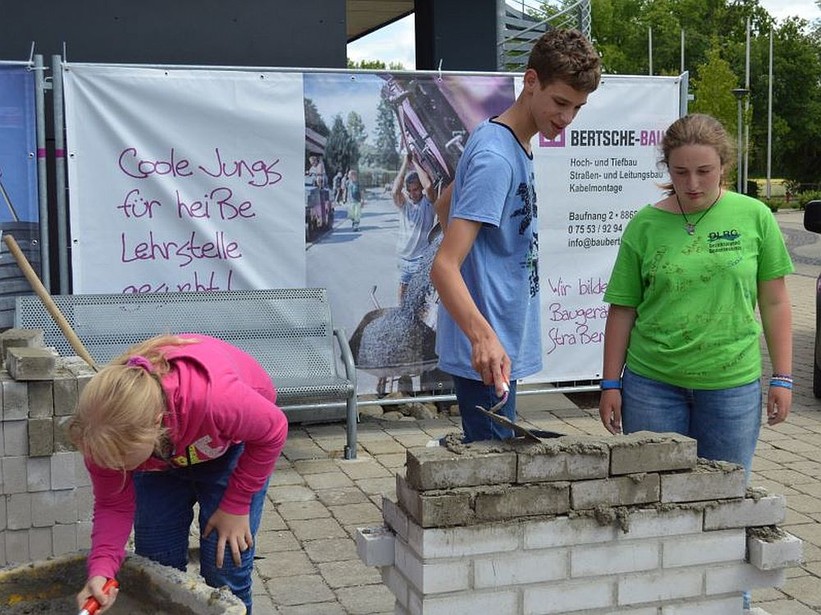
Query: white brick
point(396, 583)
point(782, 552)
point(707, 548)
point(474, 602)
point(43, 511)
point(568, 597)
point(659, 587)
point(749, 512)
point(564, 531)
point(435, 578)
point(395, 518)
point(615, 558)
point(80, 471)
point(2, 512)
point(464, 541)
point(740, 577)
point(38, 474)
point(375, 545)
point(524, 567)
point(650, 523)
point(719, 606)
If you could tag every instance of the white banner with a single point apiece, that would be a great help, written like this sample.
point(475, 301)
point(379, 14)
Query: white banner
point(194, 179)
point(184, 180)
point(590, 181)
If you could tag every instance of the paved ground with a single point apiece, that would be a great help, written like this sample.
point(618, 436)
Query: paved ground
point(308, 563)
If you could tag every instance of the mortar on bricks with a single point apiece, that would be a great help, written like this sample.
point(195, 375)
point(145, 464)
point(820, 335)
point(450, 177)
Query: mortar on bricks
point(50, 587)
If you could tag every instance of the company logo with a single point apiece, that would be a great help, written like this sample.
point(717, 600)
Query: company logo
point(731, 235)
point(559, 141)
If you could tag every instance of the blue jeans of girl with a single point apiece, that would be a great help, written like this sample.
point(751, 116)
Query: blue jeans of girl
point(725, 422)
point(475, 425)
point(165, 511)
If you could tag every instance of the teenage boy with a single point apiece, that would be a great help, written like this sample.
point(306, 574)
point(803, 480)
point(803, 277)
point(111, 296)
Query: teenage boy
point(486, 269)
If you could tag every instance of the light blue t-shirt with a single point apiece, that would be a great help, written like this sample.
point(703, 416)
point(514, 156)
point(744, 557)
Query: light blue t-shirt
point(415, 221)
point(494, 185)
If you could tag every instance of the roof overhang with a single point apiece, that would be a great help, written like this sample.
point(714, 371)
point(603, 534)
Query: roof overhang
point(365, 16)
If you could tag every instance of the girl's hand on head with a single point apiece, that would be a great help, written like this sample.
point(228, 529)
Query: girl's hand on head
point(233, 531)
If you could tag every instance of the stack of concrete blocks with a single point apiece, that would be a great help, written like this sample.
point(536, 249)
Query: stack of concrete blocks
point(45, 493)
point(631, 524)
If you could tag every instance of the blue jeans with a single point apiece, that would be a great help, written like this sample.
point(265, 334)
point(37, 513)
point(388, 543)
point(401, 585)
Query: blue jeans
point(724, 422)
point(165, 502)
point(472, 393)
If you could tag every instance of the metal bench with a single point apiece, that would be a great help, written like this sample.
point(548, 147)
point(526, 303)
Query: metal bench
point(288, 330)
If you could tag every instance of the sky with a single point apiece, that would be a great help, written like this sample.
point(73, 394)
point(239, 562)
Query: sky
point(395, 43)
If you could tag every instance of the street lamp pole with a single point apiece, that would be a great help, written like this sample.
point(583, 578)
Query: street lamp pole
point(740, 93)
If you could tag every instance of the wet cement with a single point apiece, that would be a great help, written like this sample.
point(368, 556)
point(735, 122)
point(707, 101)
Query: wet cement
point(66, 605)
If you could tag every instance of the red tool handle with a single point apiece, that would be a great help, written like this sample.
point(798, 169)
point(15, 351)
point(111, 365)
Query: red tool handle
point(92, 605)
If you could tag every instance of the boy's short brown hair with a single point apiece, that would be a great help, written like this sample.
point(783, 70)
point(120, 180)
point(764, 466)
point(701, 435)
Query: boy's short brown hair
point(566, 55)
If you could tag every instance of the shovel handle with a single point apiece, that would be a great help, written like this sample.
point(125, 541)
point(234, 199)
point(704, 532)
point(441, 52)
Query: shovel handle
point(42, 293)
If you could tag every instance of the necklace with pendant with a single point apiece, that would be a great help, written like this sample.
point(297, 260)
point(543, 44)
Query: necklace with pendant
point(690, 227)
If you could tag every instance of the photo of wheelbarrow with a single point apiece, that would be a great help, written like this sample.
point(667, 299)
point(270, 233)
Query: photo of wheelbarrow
point(397, 342)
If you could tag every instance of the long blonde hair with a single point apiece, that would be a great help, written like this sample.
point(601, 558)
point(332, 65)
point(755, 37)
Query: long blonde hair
point(118, 408)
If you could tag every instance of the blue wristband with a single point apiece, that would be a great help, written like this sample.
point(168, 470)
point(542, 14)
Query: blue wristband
point(784, 384)
point(606, 385)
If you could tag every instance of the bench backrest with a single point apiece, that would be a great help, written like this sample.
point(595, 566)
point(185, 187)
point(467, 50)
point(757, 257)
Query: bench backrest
point(289, 331)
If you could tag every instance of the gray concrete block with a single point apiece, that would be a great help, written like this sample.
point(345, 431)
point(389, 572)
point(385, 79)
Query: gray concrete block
point(749, 512)
point(63, 471)
point(645, 451)
point(43, 513)
point(3, 517)
point(38, 471)
point(62, 444)
point(41, 437)
point(41, 399)
point(18, 511)
point(568, 458)
point(440, 468)
point(772, 550)
point(16, 438)
point(15, 399)
point(64, 538)
point(65, 506)
point(615, 491)
point(710, 480)
point(20, 338)
point(519, 501)
point(40, 545)
point(15, 474)
point(66, 393)
point(436, 508)
point(84, 535)
point(30, 363)
point(17, 546)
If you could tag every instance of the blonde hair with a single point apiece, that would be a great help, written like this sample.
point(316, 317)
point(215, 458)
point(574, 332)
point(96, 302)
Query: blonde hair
point(118, 408)
point(698, 129)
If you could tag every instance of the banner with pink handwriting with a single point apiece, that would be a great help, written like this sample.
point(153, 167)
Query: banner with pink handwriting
point(184, 180)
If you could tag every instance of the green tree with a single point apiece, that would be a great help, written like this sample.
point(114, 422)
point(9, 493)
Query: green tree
point(386, 152)
point(712, 90)
point(356, 128)
point(313, 119)
point(341, 151)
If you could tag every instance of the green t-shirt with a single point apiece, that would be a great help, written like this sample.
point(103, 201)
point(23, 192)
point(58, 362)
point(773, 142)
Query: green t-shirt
point(695, 295)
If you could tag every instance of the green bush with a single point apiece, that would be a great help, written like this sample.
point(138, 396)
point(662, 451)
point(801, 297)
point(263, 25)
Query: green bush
point(805, 197)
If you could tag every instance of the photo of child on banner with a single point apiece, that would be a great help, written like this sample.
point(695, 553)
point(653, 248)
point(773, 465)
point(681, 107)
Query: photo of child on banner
point(430, 119)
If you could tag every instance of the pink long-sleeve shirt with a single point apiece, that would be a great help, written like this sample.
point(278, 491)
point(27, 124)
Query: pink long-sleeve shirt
point(217, 396)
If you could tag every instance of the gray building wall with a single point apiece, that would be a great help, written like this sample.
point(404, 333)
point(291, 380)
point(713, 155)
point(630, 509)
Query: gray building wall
point(275, 33)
